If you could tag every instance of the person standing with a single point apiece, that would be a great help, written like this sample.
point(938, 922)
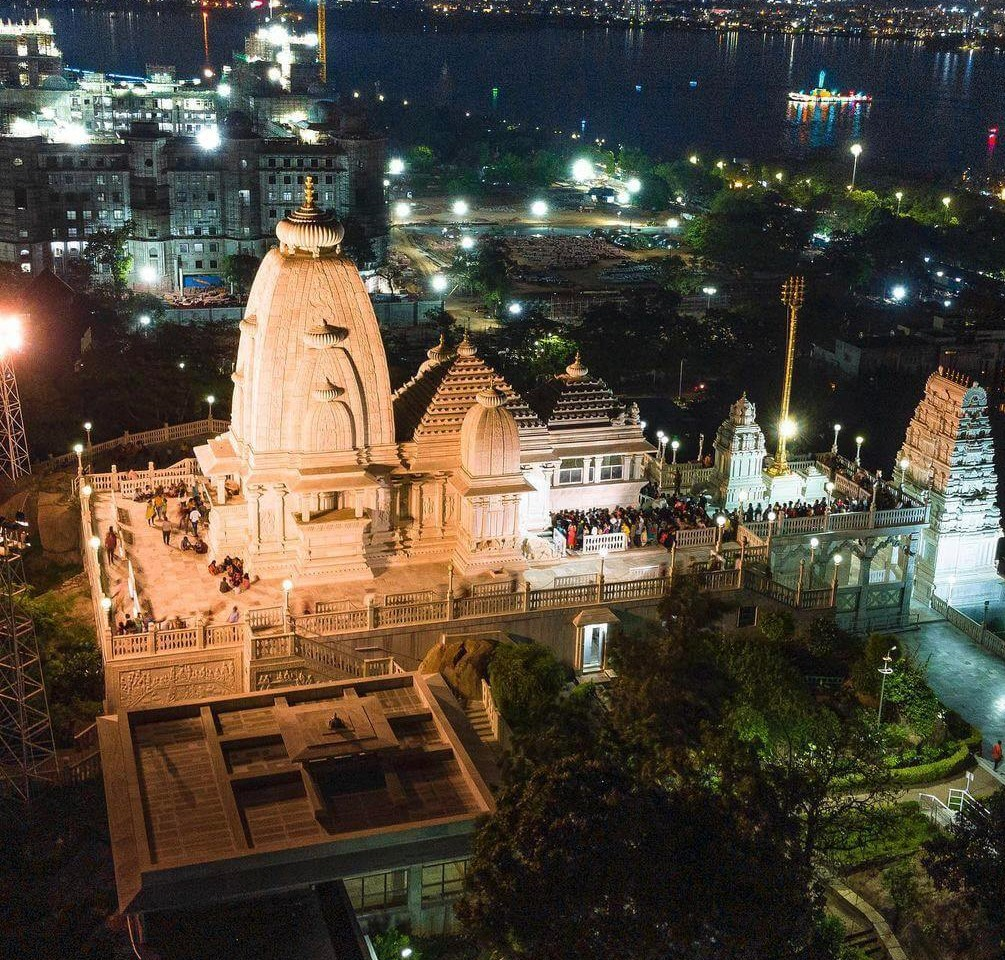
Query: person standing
point(996, 753)
point(111, 543)
point(149, 513)
point(165, 526)
point(193, 518)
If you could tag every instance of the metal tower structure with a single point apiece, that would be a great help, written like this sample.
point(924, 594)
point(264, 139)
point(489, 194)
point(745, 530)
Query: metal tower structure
point(322, 41)
point(793, 294)
point(27, 749)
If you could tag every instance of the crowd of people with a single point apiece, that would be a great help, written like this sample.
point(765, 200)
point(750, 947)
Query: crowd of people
point(232, 574)
point(656, 523)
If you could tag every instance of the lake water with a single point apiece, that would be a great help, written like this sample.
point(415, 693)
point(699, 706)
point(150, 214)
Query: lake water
point(931, 110)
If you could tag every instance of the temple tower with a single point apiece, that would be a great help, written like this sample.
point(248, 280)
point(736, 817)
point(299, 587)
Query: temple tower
point(948, 456)
point(739, 457)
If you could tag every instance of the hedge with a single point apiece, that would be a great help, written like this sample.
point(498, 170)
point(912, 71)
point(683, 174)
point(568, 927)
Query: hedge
point(937, 770)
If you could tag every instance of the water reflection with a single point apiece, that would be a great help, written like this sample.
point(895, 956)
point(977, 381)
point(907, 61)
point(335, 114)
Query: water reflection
point(810, 126)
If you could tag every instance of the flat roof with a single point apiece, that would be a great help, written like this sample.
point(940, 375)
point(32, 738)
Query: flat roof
point(310, 783)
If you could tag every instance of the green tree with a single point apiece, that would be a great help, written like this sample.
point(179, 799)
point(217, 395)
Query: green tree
point(240, 269)
point(105, 258)
point(526, 680)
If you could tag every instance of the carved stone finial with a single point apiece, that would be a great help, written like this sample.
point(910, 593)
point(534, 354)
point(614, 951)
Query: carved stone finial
point(576, 370)
point(466, 348)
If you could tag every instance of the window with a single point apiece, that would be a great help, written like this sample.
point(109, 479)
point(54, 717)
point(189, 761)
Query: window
point(571, 471)
point(378, 890)
point(612, 468)
point(441, 880)
point(594, 644)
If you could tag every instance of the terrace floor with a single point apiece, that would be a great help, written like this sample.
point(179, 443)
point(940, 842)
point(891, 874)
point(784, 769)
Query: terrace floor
point(175, 583)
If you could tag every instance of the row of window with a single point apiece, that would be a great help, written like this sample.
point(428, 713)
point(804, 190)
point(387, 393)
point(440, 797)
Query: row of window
point(574, 470)
point(378, 891)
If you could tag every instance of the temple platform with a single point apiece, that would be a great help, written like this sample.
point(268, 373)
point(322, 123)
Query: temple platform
point(171, 584)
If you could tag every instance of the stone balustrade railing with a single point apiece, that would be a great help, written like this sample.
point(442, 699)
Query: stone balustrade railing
point(757, 531)
point(594, 543)
point(165, 434)
point(696, 537)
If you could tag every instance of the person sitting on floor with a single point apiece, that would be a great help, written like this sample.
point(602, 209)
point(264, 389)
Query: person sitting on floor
point(224, 585)
point(245, 583)
point(213, 568)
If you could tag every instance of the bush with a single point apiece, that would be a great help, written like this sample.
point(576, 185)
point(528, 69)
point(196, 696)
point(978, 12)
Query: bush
point(931, 772)
point(389, 944)
point(526, 680)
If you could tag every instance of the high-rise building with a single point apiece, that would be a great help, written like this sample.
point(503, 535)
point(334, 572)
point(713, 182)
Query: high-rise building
point(29, 57)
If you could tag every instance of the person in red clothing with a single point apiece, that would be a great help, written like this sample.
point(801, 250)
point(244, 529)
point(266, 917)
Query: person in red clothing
point(996, 753)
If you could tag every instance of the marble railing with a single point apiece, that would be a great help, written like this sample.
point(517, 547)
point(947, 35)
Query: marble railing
point(757, 531)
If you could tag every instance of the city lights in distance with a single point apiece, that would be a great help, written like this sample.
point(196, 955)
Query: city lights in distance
point(673, 223)
point(460, 208)
point(208, 138)
point(224, 90)
point(396, 166)
point(11, 334)
point(583, 170)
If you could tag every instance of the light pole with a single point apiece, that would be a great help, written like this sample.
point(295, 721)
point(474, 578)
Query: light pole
point(78, 449)
point(900, 196)
point(829, 487)
point(87, 430)
point(885, 670)
point(945, 202)
point(674, 447)
point(709, 293)
point(720, 522)
point(210, 400)
point(859, 440)
point(771, 529)
point(814, 543)
point(834, 445)
point(904, 464)
point(680, 380)
point(602, 553)
point(856, 152)
point(834, 581)
point(661, 446)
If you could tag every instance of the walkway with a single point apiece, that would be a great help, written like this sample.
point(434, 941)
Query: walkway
point(963, 675)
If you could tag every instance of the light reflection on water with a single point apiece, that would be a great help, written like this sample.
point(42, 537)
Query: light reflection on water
point(930, 109)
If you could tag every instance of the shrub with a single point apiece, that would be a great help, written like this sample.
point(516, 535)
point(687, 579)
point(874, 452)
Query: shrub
point(526, 680)
point(931, 772)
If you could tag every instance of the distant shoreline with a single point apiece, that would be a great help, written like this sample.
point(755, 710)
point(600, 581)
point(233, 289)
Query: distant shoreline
point(409, 17)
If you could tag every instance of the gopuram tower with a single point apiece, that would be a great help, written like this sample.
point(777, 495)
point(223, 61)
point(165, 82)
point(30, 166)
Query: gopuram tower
point(948, 456)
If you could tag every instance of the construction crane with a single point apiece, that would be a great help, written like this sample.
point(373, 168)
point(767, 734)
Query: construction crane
point(322, 42)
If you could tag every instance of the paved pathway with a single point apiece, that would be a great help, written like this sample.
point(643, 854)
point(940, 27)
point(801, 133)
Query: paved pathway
point(964, 675)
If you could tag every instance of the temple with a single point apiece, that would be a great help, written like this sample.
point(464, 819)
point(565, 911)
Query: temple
point(948, 458)
point(325, 474)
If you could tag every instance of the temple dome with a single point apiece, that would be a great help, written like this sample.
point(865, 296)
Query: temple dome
point(311, 374)
point(490, 438)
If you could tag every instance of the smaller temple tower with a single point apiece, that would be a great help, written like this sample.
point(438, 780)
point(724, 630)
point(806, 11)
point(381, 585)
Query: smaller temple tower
point(490, 485)
point(948, 456)
point(739, 456)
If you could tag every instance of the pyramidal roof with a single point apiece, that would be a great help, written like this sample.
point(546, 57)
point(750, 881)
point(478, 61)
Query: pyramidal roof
point(574, 398)
point(436, 400)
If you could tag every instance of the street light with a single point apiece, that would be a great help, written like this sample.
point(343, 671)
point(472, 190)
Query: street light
point(720, 522)
point(287, 588)
point(515, 309)
point(856, 152)
point(829, 487)
point(402, 210)
point(87, 489)
point(693, 159)
point(814, 543)
point(87, 430)
point(898, 292)
point(210, 400)
point(148, 274)
point(885, 670)
point(834, 582)
point(467, 242)
point(674, 446)
point(634, 185)
point(460, 208)
point(859, 440)
point(834, 445)
point(396, 166)
point(900, 196)
point(904, 464)
point(78, 449)
point(673, 223)
point(583, 170)
point(709, 293)
point(438, 283)
point(145, 320)
point(771, 517)
point(945, 202)
point(539, 208)
point(661, 446)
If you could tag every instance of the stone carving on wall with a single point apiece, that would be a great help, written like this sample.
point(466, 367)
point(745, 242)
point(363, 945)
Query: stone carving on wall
point(287, 677)
point(177, 683)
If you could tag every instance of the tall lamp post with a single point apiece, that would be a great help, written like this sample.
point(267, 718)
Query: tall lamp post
point(287, 588)
point(900, 197)
point(814, 543)
point(856, 152)
point(771, 529)
point(87, 430)
point(674, 447)
point(210, 400)
point(859, 440)
point(78, 449)
point(885, 670)
point(945, 202)
point(904, 464)
point(661, 446)
point(720, 522)
point(834, 581)
point(834, 445)
point(709, 293)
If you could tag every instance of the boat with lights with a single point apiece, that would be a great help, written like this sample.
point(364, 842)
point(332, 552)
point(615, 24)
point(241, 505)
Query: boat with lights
point(820, 94)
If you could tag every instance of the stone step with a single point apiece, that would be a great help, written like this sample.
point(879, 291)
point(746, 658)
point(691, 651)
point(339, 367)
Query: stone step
point(868, 942)
point(479, 720)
